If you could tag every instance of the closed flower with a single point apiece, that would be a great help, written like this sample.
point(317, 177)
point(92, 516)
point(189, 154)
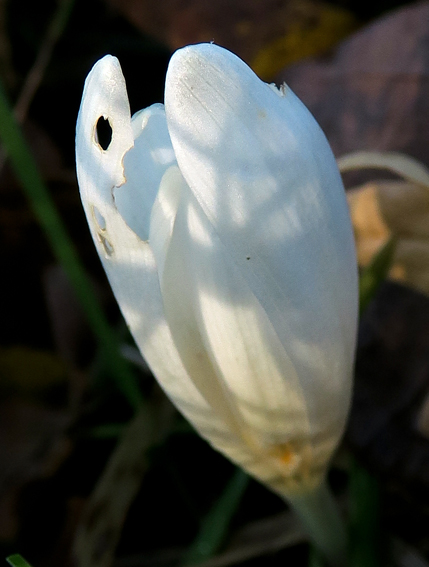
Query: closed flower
point(222, 224)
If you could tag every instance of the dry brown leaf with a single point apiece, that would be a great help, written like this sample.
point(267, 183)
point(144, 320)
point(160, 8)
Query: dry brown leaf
point(258, 538)
point(101, 524)
point(400, 209)
point(372, 93)
point(256, 30)
point(383, 209)
point(33, 444)
point(391, 381)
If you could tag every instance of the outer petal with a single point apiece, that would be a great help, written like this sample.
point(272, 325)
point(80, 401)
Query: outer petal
point(128, 260)
point(236, 360)
point(264, 175)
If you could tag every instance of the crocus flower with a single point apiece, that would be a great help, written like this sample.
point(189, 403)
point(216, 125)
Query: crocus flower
point(222, 224)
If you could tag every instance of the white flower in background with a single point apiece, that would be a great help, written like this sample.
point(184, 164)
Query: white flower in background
point(222, 224)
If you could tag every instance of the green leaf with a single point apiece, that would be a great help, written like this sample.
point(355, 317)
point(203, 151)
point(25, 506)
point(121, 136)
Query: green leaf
point(315, 558)
point(374, 274)
point(363, 518)
point(215, 525)
point(107, 431)
point(17, 560)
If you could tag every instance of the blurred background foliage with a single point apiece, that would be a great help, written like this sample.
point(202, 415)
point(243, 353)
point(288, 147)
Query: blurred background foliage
point(160, 496)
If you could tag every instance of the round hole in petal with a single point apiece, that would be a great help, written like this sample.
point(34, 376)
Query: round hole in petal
point(103, 133)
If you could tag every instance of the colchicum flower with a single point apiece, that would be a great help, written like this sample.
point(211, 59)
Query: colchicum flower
point(222, 224)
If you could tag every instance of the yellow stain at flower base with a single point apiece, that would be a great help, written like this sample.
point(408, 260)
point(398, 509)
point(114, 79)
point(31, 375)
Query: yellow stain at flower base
point(288, 457)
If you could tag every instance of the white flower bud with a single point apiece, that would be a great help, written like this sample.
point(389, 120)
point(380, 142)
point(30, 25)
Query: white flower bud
point(223, 227)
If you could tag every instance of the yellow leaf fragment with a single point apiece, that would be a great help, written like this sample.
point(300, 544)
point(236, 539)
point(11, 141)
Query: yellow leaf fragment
point(304, 39)
point(28, 370)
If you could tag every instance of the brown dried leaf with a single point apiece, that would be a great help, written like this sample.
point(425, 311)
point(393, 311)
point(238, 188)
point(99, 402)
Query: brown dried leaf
point(373, 94)
point(382, 209)
point(32, 446)
point(101, 524)
point(258, 538)
point(392, 377)
point(68, 322)
point(246, 27)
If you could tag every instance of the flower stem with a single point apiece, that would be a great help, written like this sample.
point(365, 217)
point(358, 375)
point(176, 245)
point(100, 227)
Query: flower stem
point(363, 518)
point(320, 516)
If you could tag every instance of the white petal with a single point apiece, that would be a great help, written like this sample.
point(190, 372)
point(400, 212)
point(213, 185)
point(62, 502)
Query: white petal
point(234, 357)
point(163, 215)
point(145, 164)
point(104, 96)
point(127, 259)
point(264, 175)
point(217, 323)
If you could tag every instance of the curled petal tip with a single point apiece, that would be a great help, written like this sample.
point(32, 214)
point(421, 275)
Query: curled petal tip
point(104, 96)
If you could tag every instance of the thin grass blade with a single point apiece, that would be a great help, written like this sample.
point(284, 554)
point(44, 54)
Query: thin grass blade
point(215, 525)
point(17, 560)
point(27, 173)
point(375, 273)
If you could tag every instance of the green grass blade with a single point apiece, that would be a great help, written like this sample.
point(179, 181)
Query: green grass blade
point(107, 431)
point(26, 171)
point(34, 77)
point(363, 518)
point(215, 525)
point(17, 560)
point(315, 558)
point(374, 274)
